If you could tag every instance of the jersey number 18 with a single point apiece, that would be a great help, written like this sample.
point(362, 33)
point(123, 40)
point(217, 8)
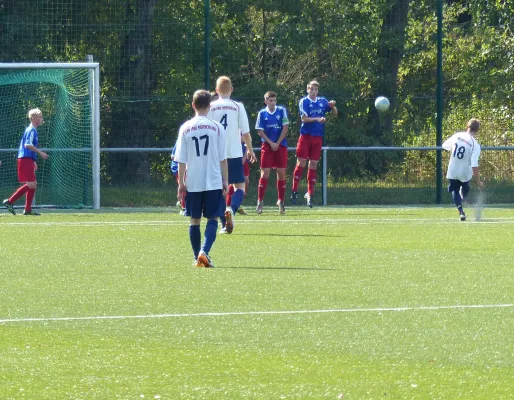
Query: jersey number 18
point(459, 151)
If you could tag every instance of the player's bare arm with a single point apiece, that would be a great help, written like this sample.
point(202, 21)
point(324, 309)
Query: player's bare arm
point(248, 141)
point(271, 143)
point(332, 104)
point(224, 175)
point(476, 174)
point(307, 119)
point(42, 154)
point(181, 182)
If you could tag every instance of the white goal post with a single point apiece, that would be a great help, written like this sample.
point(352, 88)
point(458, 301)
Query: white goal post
point(94, 95)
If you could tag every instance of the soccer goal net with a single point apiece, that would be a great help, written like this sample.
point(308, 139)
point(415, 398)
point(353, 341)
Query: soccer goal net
point(68, 96)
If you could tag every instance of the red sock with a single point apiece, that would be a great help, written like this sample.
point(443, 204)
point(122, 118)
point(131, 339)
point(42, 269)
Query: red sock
point(20, 192)
point(281, 189)
point(261, 191)
point(297, 175)
point(29, 198)
point(229, 195)
point(311, 180)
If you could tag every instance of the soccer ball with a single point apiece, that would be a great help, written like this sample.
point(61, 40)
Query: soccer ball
point(382, 103)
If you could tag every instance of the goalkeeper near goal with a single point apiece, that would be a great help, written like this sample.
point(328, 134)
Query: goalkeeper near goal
point(27, 166)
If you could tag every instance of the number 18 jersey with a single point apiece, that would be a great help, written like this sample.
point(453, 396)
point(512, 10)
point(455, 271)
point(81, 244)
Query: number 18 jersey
point(464, 154)
point(232, 116)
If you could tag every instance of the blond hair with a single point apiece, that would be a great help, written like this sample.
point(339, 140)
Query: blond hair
point(313, 83)
point(224, 85)
point(473, 125)
point(32, 113)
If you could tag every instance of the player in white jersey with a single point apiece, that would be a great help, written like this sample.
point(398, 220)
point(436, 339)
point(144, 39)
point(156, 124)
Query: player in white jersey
point(232, 116)
point(201, 150)
point(463, 165)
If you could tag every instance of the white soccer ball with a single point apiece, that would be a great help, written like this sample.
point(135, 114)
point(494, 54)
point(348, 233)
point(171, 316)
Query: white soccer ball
point(382, 103)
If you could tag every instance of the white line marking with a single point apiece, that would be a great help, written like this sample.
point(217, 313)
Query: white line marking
point(235, 313)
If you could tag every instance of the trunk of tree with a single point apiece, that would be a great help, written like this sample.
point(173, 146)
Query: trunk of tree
point(134, 128)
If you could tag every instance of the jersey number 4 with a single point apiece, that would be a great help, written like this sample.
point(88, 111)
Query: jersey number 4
point(223, 121)
point(459, 151)
point(197, 144)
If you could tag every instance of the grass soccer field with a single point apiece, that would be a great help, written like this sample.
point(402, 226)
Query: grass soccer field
point(324, 303)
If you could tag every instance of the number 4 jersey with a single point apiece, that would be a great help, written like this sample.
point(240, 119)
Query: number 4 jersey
point(232, 116)
point(464, 154)
point(201, 146)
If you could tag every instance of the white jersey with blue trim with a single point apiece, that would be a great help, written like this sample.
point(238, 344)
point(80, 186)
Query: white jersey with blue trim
point(201, 146)
point(464, 155)
point(233, 118)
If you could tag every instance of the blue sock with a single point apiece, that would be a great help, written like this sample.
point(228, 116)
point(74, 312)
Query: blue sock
point(195, 237)
point(237, 199)
point(210, 235)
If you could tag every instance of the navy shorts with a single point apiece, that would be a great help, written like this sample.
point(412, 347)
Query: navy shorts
point(209, 204)
point(455, 185)
point(236, 172)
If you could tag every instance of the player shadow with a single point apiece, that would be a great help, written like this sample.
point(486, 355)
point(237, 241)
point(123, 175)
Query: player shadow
point(281, 268)
point(290, 235)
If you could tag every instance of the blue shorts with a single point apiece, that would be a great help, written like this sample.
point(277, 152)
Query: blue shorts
point(209, 204)
point(455, 185)
point(236, 172)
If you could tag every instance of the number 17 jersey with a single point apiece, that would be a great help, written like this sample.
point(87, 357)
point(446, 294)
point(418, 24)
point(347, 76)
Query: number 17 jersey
point(464, 154)
point(232, 116)
point(201, 146)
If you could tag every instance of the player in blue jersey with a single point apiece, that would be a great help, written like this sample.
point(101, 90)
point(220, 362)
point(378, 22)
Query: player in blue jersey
point(174, 170)
point(312, 112)
point(201, 150)
point(27, 166)
point(272, 126)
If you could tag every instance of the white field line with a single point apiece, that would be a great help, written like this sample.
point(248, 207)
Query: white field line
point(392, 220)
point(253, 313)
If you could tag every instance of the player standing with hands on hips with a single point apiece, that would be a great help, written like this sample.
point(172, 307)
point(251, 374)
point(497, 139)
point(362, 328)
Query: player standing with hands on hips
point(312, 131)
point(233, 118)
point(27, 166)
point(201, 150)
point(463, 164)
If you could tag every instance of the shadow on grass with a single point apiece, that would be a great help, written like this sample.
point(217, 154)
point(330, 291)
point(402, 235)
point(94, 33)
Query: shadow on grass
point(281, 268)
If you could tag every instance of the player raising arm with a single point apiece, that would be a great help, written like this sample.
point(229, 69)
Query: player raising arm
point(312, 131)
point(201, 150)
point(463, 165)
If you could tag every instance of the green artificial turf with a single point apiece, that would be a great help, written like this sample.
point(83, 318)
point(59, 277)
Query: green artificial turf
point(323, 303)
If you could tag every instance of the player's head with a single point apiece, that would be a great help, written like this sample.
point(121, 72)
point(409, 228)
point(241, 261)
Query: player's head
point(313, 88)
point(473, 125)
point(224, 86)
point(36, 116)
point(201, 100)
point(270, 99)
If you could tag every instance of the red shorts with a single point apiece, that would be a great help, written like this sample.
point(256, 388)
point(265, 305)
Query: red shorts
point(26, 170)
point(309, 147)
point(273, 159)
point(246, 168)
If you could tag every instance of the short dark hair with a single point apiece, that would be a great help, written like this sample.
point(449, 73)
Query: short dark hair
point(269, 94)
point(202, 99)
point(473, 125)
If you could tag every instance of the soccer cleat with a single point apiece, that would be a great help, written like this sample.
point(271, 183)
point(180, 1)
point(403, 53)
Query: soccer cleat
point(205, 260)
point(462, 216)
point(229, 216)
point(281, 207)
point(308, 198)
point(9, 206)
point(294, 198)
point(260, 206)
point(241, 211)
point(31, 212)
point(223, 230)
point(182, 212)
